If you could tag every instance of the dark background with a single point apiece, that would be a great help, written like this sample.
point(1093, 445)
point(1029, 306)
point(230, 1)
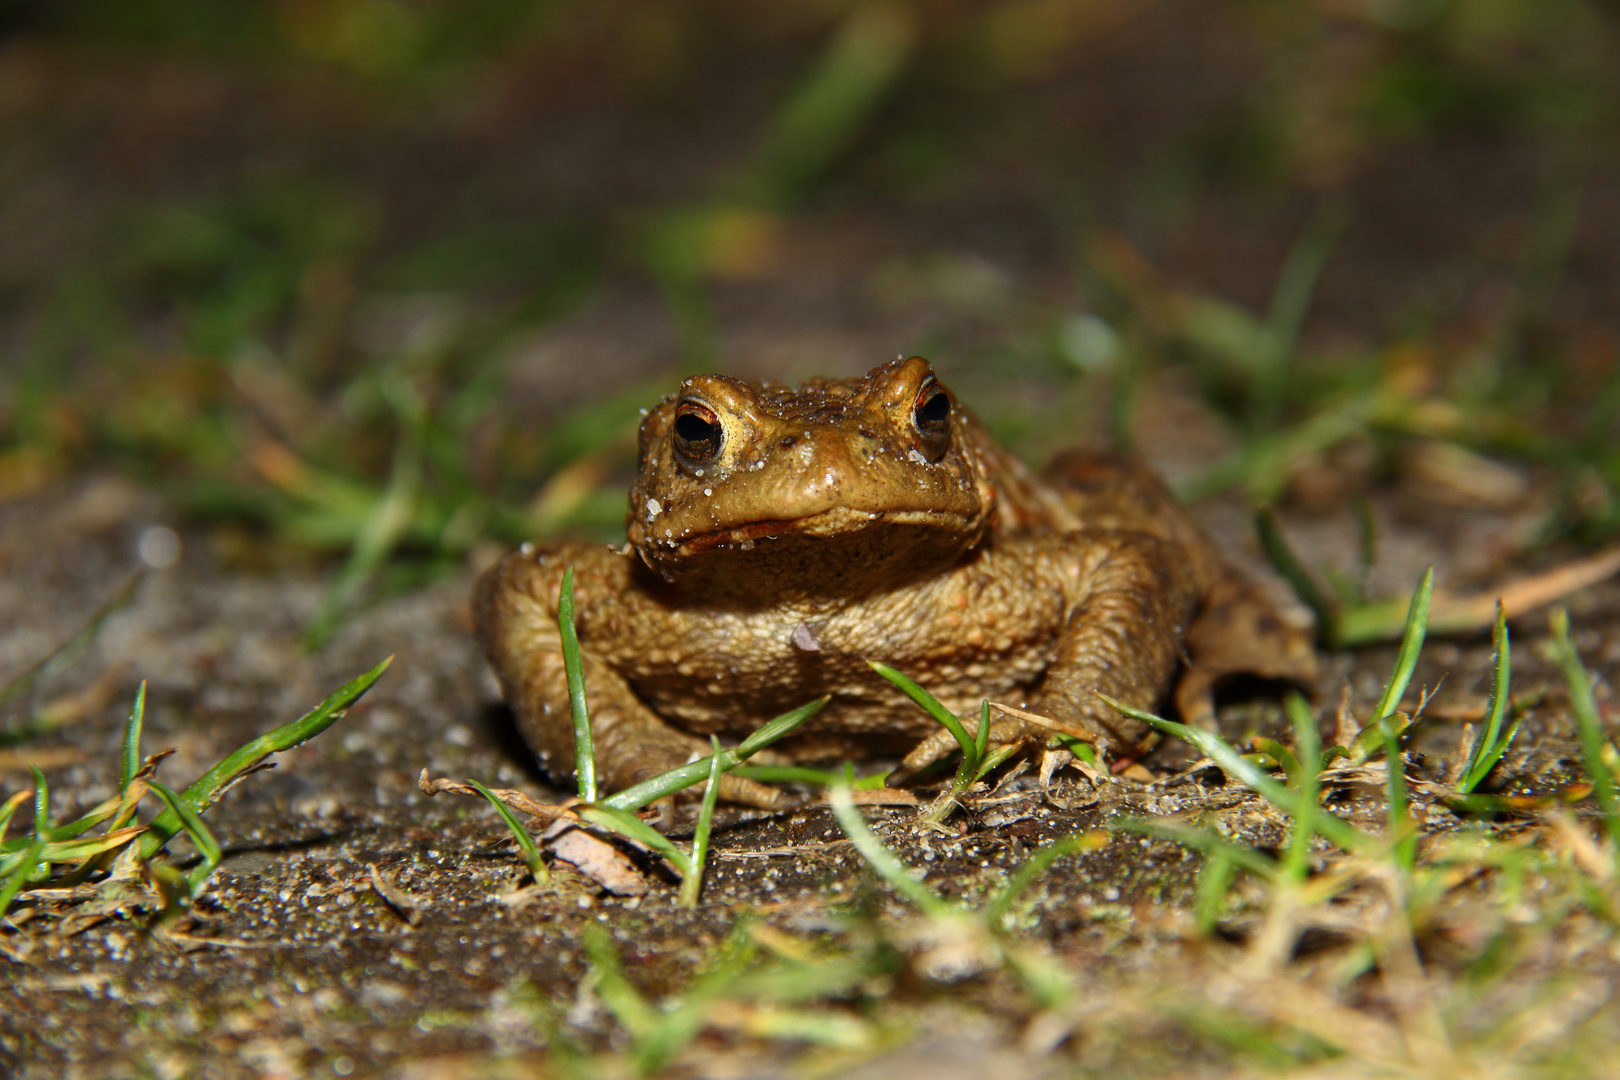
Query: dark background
point(261, 257)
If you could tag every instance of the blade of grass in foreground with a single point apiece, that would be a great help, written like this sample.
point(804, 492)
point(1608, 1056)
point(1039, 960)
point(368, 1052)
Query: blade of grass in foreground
point(880, 858)
point(1287, 563)
point(207, 787)
point(574, 667)
point(36, 847)
point(129, 759)
point(799, 774)
point(634, 798)
point(1307, 742)
point(1402, 829)
point(1036, 865)
point(1246, 772)
point(525, 842)
point(1489, 748)
point(692, 883)
point(1590, 727)
point(200, 835)
point(1417, 625)
point(946, 718)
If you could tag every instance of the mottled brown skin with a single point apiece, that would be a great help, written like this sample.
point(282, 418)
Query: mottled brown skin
point(779, 538)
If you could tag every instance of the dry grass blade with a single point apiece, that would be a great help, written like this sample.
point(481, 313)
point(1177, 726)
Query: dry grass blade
point(547, 812)
point(1071, 730)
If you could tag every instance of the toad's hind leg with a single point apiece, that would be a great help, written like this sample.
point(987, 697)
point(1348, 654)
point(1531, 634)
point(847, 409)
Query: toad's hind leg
point(515, 607)
point(1235, 629)
point(1238, 632)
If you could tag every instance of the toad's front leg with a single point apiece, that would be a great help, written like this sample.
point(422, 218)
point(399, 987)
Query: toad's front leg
point(515, 607)
point(1130, 598)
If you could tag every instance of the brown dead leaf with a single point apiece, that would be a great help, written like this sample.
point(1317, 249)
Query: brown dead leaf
point(595, 858)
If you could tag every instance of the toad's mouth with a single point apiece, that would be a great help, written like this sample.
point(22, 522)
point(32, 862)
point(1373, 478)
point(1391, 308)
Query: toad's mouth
point(835, 522)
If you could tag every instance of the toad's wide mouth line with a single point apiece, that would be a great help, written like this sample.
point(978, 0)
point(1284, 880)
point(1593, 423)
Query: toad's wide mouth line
point(829, 524)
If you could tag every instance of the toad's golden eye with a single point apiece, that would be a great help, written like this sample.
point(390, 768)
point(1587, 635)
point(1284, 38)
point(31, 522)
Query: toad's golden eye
point(698, 434)
point(931, 416)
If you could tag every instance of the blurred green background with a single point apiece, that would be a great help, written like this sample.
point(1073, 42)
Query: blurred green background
point(384, 282)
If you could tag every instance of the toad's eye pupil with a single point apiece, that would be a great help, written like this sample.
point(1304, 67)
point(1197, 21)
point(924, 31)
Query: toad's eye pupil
point(697, 433)
point(933, 411)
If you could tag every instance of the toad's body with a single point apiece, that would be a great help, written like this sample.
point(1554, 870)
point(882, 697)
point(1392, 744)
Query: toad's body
point(780, 538)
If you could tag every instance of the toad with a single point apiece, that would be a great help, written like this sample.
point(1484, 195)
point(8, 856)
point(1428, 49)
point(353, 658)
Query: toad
point(779, 538)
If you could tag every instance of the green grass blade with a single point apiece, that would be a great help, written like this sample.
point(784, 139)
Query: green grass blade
point(1233, 764)
point(1308, 742)
point(628, 1007)
point(584, 747)
point(828, 107)
point(678, 1026)
point(981, 737)
point(20, 873)
point(129, 759)
point(1401, 827)
point(779, 728)
point(1488, 749)
point(385, 525)
point(1489, 760)
point(1287, 563)
point(625, 823)
point(8, 810)
point(42, 803)
point(1589, 726)
point(525, 842)
point(692, 883)
point(994, 758)
point(932, 707)
point(1417, 625)
point(1034, 866)
point(1213, 882)
point(633, 798)
point(1401, 831)
point(1366, 542)
point(1284, 757)
point(1206, 841)
point(1296, 286)
point(67, 832)
point(197, 830)
point(879, 857)
point(800, 774)
point(206, 787)
point(24, 859)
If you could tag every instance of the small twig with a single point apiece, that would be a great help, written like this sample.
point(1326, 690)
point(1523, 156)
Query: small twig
point(1071, 730)
point(546, 812)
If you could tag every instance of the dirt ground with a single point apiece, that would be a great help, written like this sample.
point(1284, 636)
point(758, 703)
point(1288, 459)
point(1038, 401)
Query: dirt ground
point(293, 963)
